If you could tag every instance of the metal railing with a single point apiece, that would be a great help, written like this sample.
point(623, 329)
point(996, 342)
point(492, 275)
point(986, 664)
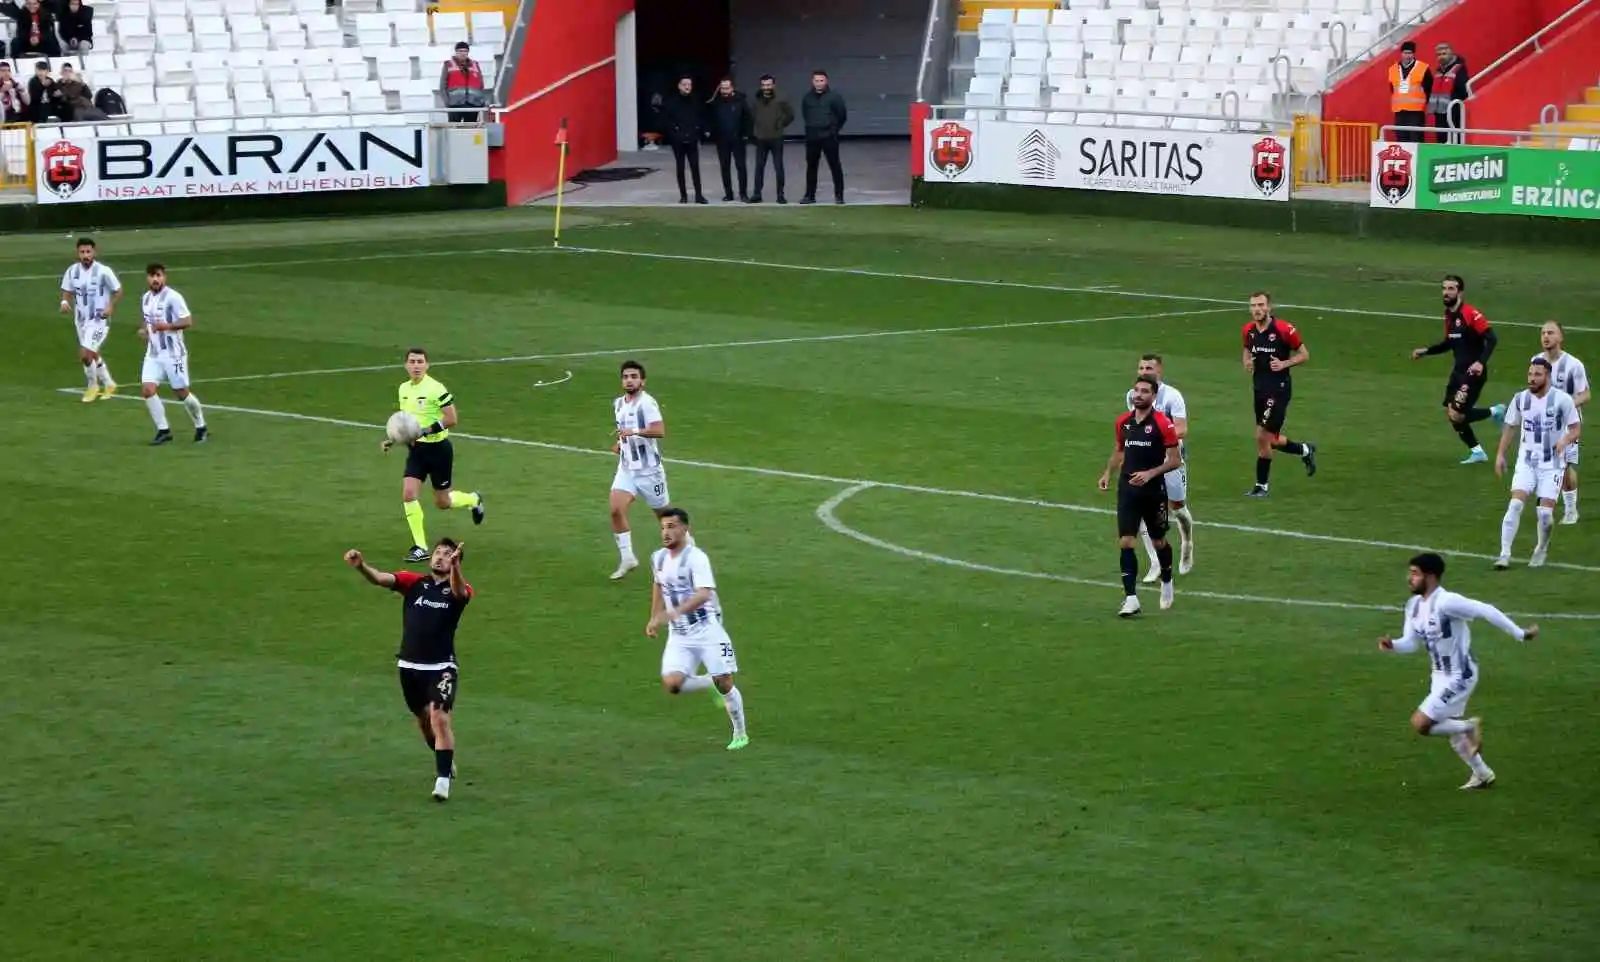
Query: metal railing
point(1389, 38)
point(1331, 153)
point(1387, 134)
point(937, 39)
point(16, 157)
point(498, 112)
point(1535, 41)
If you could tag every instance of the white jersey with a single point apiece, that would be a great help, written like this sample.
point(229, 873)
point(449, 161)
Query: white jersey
point(1543, 421)
point(638, 455)
point(92, 288)
point(1169, 401)
point(677, 578)
point(1442, 624)
point(1566, 373)
point(165, 307)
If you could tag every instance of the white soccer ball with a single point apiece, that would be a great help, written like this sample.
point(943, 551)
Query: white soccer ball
point(403, 428)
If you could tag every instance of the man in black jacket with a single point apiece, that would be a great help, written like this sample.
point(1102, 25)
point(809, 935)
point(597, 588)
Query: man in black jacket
point(680, 114)
point(36, 29)
point(822, 111)
point(730, 126)
point(1450, 83)
point(41, 94)
point(77, 27)
point(772, 115)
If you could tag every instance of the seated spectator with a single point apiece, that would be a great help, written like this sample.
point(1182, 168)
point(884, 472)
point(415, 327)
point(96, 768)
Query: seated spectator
point(461, 83)
point(72, 96)
point(13, 98)
point(77, 27)
point(41, 94)
point(35, 33)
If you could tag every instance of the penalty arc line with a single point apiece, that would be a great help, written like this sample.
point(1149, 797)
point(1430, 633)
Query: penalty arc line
point(827, 514)
point(835, 480)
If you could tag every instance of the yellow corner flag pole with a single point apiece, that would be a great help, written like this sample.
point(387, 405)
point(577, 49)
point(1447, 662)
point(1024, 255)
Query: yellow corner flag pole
point(561, 178)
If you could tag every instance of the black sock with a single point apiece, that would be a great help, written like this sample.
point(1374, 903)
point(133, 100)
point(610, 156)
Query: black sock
point(1478, 414)
point(1291, 447)
point(1263, 468)
point(1130, 571)
point(443, 760)
point(1164, 556)
point(1468, 436)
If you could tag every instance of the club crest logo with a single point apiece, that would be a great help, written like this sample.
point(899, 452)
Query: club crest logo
point(63, 168)
point(1268, 171)
point(1395, 173)
point(950, 149)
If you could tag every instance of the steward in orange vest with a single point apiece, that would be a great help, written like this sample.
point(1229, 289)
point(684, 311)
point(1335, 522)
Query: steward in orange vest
point(1410, 83)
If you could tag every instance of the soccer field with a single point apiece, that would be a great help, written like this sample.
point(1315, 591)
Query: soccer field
point(887, 425)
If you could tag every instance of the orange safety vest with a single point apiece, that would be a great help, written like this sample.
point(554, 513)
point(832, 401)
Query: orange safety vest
point(1406, 93)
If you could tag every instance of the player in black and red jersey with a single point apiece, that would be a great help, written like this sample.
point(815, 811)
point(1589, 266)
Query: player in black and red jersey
point(1271, 347)
point(428, 674)
point(1147, 447)
point(1470, 339)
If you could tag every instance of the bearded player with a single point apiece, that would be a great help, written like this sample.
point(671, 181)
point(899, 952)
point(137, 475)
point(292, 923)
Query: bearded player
point(1566, 374)
point(1470, 341)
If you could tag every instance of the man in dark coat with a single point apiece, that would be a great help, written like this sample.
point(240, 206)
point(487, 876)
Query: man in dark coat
point(730, 128)
point(1451, 83)
point(772, 115)
point(822, 111)
point(685, 128)
point(36, 29)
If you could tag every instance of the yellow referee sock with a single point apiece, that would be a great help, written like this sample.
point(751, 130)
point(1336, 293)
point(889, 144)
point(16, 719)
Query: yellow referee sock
point(419, 534)
point(460, 499)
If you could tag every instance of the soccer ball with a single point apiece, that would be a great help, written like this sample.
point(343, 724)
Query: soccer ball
point(403, 428)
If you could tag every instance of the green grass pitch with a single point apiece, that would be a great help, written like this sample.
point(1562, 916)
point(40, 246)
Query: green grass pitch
point(958, 751)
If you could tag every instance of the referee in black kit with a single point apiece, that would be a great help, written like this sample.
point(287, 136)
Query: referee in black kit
point(433, 607)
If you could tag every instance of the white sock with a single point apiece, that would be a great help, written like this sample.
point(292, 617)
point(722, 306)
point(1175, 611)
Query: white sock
point(1570, 500)
point(1509, 525)
point(1547, 520)
point(103, 373)
point(696, 683)
point(734, 703)
point(1474, 760)
point(1149, 546)
point(89, 379)
point(158, 413)
point(624, 544)
point(1451, 726)
point(1185, 525)
point(197, 414)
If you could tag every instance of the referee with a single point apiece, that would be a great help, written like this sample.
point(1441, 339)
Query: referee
point(430, 456)
point(1147, 448)
point(428, 675)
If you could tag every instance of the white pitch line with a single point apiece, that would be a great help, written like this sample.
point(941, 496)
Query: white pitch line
point(827, 514)
point(710, 345)
point(833, 479)
point(1102, 290)
point(340, 258)
point(560, 380)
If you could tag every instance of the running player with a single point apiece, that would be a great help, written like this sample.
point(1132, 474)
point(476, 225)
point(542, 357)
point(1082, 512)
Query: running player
point(1271, 347)
point(1146, 450)
point(683, 598)
point(1550, 426)
point(90, 290)
point(1441, 621)
point(429, 677)
point(1170, 402)
point(430, 456)
point(1470, 341)
point(1566, 374)
point(640, 472)
point(166, 357)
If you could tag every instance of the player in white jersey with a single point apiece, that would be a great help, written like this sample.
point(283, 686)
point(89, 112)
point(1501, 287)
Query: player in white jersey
point(1169, 401)
point(1441, 622)
point(1548, 422)
point(683, 599)
point(90, 291)
point(640, 472)
point(1566, 374)
point(166, 357)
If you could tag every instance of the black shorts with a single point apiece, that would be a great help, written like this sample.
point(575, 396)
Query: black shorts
point(1272, 407)
point(1463, 390)
point(429, 686)
point(1145, 505)
point(431, 459)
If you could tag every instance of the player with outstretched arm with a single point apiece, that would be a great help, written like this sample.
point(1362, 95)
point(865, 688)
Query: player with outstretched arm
point(1469, 340)
point(1440, 622)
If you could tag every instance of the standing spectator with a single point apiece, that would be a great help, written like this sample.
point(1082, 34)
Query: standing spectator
point(36, 29)
point(1450, 83)
point(77, 27)
point(730, 126)
point(822, 111)
point(461, 85)
point(13, 98)
point(41, 94)
point(773, 115)
point(680, 114)
point(1410, 84)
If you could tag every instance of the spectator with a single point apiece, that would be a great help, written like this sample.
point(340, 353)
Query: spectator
point(461, 84)
point(74, 101)
point(1410, 85)
point(822, 111)
point(13, 98)
point(680, 114)
point(730, 127)
point(77, 27)
point(41, 94)
point(772, 115)
point(1450, 83)
point(35, 32)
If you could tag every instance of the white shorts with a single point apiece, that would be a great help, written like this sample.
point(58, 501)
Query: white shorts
point(92, 334)
point(1572, 455)
point(1543, 483)
point(1178, 483)
point(173, 370)
point(1448, 697)
point(710, 646)
point(649, 488)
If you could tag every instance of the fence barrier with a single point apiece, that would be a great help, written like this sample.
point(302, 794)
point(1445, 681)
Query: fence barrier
point(16, 157)
point(1331, 153)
